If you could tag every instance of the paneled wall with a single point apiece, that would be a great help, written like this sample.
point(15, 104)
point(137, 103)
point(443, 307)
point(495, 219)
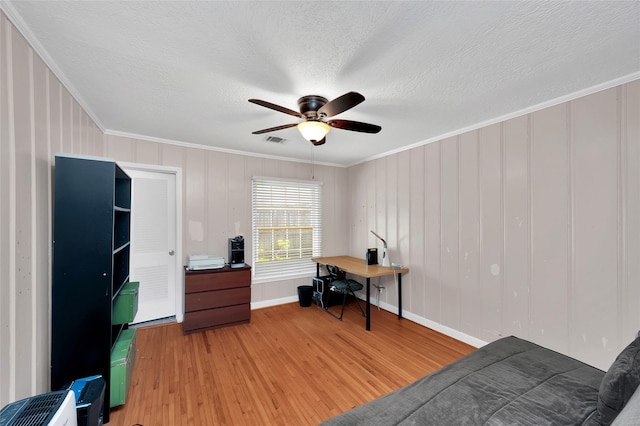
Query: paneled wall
point(216, 190)
point(528, 227)
point(39, 118)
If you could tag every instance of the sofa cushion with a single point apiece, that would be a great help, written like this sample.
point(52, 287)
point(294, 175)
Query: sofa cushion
point(506, 382)
point(619, 383)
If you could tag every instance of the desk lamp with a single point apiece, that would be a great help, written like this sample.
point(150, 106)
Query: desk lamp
point(385, 259)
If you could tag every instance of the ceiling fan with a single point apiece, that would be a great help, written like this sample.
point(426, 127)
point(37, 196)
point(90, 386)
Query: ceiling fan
point(314, 110)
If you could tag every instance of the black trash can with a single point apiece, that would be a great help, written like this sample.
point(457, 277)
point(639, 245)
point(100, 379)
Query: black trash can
point(305, 295)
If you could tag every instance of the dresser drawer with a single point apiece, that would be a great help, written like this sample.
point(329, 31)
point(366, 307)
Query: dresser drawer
point(218, 317)
point(216, 299)
point(217, 280)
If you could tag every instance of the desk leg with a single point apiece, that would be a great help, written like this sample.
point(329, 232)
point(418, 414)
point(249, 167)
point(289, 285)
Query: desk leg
point(368, 304)
point(317, 269)
point(399, 296)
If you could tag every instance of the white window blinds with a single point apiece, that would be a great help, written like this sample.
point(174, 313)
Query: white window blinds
point(287, 228)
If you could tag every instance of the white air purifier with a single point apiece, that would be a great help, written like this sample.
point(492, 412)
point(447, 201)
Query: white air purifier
point(48, 409)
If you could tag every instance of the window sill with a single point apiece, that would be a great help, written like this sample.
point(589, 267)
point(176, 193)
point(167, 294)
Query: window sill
point(265, 280)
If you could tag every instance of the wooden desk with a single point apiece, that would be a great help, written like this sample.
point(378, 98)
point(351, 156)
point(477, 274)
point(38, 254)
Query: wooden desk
point(359, 267)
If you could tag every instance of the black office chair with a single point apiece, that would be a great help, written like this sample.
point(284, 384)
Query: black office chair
point(341, 284)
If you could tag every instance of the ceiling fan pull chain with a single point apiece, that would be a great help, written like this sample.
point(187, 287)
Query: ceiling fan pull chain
point(313, 177)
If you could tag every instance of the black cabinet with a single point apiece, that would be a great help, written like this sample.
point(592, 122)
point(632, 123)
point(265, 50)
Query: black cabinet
point(91, 228)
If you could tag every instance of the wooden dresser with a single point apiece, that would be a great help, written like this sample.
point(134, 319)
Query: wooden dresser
point(216, 298)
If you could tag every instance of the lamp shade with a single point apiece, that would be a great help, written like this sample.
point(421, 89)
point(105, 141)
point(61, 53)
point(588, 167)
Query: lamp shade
point(313, 131)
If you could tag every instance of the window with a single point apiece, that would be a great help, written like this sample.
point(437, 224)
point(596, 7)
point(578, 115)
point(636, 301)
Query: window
point(287, 228)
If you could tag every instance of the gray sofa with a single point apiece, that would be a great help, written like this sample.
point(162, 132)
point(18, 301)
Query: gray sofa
point(510, 382)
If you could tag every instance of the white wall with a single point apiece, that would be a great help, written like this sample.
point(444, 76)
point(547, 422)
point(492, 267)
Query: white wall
point(551, 199)
point(216, 190)
point(39, 118)
point(529, 227)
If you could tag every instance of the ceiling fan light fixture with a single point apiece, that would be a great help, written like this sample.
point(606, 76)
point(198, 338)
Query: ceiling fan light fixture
point(313, 131)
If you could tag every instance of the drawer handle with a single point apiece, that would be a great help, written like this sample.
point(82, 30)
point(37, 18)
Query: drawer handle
point(171, 253)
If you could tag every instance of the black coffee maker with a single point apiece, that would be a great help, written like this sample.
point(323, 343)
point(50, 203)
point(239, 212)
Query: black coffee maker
point(236, 252)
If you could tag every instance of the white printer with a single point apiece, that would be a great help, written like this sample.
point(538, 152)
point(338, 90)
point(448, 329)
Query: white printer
point(197, 262)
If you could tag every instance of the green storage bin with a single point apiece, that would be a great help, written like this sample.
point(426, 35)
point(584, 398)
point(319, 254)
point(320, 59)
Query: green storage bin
point(125, 305)
point(123, 357)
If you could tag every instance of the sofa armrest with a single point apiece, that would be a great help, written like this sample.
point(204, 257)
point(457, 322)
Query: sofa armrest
point(630, 414)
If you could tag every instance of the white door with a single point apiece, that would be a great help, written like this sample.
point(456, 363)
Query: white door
point(153, 243)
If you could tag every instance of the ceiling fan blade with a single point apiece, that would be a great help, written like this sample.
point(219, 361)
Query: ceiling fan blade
point(273, 129)
point(320, 142)
point(276, 107)
point(355, 126)
point(341, 104)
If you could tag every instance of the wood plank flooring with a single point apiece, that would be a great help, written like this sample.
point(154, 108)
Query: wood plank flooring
point(289, 366)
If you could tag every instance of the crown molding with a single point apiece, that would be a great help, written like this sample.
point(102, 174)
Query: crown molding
point(21, 26)
point(217, 149)
point(35, 44)
point(553, 102)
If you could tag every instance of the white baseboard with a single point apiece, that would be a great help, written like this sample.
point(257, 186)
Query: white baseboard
point(470, 340)
point(458, 335)
point(273, 302)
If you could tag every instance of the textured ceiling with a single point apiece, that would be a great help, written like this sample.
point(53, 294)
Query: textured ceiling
point(183, 71)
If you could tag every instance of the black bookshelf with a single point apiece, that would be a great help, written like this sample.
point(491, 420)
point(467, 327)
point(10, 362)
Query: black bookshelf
point(91, 248)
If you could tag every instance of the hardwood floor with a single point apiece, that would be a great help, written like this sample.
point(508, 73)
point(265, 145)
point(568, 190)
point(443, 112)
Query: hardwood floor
point(289, 366)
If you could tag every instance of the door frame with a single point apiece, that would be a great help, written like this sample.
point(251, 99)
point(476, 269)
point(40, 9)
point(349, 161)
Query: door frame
point(177, 172)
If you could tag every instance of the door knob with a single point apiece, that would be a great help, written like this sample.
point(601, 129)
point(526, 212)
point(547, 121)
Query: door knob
point(171, 253)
